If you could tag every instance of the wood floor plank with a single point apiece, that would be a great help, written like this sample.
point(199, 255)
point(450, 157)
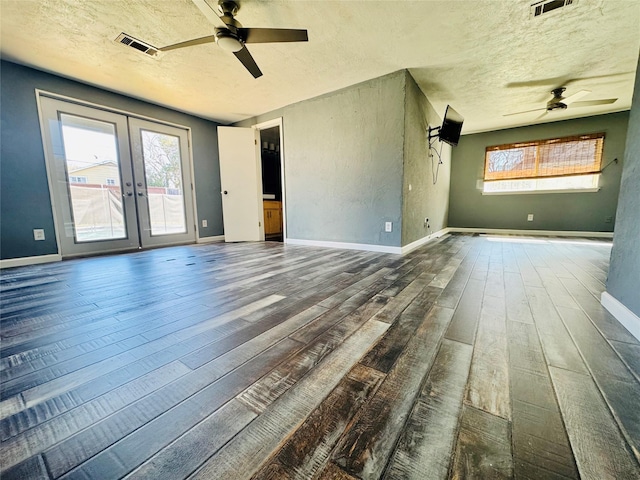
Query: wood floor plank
point(606, 323)
point(33, 469)
point(488, 387)
point(465, 319)
point(599, 448)
point(557, 344)
point(630, 354)
point(517, 304)
point(386, 351)
point(453, 291)
point(308, 449)
point(541, 447)
point(243, 455)
point(150, 424)
point(525, 351)
point(397, 304)
point(617, 383)
point(364, 449)
point(266, 390)
point(182, 457)
point(483, 449)
point(425, 447)
point(40, 434)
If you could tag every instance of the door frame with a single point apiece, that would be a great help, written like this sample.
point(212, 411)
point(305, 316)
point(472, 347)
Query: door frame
point(39, 93)
point(276, 122)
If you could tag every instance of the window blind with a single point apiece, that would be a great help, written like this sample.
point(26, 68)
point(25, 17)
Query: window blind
point(556, 157)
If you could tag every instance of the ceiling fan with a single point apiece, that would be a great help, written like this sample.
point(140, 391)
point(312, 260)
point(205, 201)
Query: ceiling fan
point(230, 35)
point(558, 102)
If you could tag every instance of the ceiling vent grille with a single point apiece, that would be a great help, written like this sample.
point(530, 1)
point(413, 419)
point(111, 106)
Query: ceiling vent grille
point(546, 6)
point(129, 41)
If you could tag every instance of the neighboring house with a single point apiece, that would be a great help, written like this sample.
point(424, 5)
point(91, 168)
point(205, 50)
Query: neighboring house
point(104, 173)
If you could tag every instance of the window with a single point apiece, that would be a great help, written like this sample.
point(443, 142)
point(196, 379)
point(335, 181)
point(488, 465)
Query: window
point(111, 181)
point(73, 179)
point(569, 163)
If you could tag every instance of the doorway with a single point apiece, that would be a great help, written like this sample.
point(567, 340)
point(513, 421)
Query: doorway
point(117, 182)
point(271, 183)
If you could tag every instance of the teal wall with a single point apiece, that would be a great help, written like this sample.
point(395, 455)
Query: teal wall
point(624, 272)
point(559, 211)
point(24, 195)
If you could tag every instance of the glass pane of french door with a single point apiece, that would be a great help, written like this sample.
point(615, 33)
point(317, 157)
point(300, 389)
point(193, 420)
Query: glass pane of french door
point(163, 174)
point(93, 170)
point(161, 164)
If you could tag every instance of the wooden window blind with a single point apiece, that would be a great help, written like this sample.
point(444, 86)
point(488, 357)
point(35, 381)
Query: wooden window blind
point(556, 157)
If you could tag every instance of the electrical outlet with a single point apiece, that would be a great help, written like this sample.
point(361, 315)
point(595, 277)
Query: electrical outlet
point(38, 234)
point(388, 226)
point(530, 217)
point(204, 224)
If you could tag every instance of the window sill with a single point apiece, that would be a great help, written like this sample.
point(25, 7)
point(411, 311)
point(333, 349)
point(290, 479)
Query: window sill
point(534, 192)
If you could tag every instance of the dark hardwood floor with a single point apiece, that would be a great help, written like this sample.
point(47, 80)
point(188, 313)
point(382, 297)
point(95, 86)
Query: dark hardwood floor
point(471, 357)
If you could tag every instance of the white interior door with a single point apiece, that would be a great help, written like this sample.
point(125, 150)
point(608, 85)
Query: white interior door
point(240, 179)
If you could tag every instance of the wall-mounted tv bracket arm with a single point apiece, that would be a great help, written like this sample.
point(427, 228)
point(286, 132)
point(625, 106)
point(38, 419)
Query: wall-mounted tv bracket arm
point(434, 132)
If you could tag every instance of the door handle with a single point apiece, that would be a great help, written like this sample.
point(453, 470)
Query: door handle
point(129, 194)
point(141, 194)
point(225, 192)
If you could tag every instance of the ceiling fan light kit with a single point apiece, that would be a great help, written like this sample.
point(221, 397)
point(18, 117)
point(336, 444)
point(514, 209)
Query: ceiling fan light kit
point(227, 41)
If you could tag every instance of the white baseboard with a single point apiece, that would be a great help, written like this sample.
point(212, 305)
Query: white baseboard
point(552, 233)
point(217, 238)
point(367, 247)
point(423, 240)
point(346, 245)
point(625, 316)
point(23, 261)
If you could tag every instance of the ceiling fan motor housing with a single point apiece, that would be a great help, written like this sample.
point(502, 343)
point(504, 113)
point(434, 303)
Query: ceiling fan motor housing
point(556, 102)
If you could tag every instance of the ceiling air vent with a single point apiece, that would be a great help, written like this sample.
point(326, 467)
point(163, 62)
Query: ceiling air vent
point(129, 41)
point(546, 6)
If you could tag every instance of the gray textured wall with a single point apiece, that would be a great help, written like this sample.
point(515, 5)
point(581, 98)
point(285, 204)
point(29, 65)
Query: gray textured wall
point(24, 195)
point(343, 163)
point(559, 211)
point(425, 199)
point(624, 272)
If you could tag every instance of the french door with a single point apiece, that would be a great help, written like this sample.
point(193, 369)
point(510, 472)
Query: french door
point(118, 182)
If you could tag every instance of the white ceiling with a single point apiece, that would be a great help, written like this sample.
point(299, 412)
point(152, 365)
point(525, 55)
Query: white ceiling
point(484, 57)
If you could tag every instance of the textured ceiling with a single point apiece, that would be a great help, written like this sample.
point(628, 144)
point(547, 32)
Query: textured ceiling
point(485, 58)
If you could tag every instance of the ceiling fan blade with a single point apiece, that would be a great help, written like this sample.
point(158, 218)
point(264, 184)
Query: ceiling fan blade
point(575, 96)
point(209, 12)
point(526, 111)
point(249, 63)
point(189, 43)
point(272, 35)
point(564, 80)
point(593, 103)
